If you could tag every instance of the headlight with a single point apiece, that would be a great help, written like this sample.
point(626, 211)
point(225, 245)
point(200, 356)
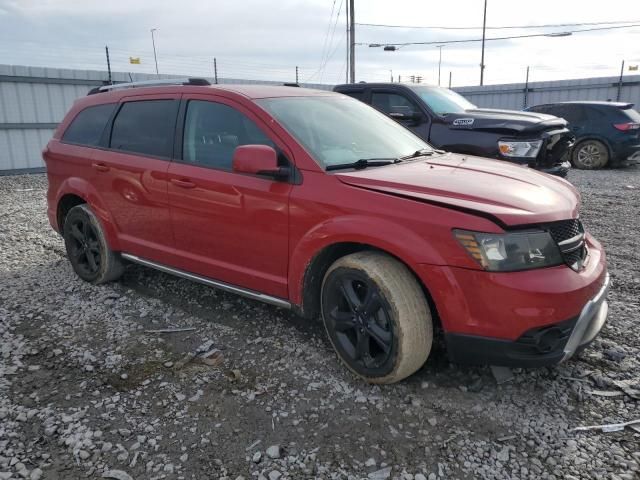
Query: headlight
point(520, 149)
point(507, 252)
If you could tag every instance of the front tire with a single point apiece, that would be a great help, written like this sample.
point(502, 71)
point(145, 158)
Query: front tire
point(590, 155)
point(376, 316)
point(87, 248)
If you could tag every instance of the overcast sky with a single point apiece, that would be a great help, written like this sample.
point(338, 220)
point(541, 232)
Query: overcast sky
point(268, 39)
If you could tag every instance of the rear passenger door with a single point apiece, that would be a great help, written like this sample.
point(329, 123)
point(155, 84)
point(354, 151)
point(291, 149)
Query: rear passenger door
point(227, 226)
point(574, 114)
point(131, 173)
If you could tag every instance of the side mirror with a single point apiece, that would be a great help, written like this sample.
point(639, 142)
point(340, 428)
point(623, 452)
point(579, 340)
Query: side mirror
point(407, 116)
point(258, 160)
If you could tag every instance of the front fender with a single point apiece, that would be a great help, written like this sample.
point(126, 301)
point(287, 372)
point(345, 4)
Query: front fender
point(83, 189)
point(382, 234)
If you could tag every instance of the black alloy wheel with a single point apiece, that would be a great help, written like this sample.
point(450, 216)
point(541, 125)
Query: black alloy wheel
point(85, 248)
point(359, 322)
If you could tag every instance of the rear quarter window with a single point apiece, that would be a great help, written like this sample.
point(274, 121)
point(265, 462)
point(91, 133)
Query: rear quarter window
point(87, 126)
point(145, 127)
point(632, 114)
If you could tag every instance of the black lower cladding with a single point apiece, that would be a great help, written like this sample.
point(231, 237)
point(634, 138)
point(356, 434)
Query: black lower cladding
point(537, 347)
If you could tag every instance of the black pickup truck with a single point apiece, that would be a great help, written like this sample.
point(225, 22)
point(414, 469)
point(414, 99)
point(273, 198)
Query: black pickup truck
point(448, 121)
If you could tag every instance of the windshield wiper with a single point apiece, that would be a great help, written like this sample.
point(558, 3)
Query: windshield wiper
point(424, 152)
point(363, 163)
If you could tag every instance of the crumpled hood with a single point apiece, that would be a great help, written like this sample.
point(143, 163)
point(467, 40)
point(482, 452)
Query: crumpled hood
point(503, 120)
point(507, 193)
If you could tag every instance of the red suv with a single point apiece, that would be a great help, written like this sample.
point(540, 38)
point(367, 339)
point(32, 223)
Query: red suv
point(314, 201)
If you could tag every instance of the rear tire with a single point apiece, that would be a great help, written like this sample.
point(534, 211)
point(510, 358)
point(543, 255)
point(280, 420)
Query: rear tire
point(376, 316)
point(87, 248)
point(590, 155)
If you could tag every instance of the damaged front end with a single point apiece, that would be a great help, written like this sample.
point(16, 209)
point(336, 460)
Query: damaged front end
point(554, 153)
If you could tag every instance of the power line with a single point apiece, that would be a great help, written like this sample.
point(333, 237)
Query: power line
point(404, 44)
point(514, 27)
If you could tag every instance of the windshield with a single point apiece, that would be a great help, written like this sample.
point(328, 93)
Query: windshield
point(442, 100)
point(339, 130)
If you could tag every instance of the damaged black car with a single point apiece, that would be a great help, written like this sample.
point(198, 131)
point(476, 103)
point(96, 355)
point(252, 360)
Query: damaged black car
point(450, 122)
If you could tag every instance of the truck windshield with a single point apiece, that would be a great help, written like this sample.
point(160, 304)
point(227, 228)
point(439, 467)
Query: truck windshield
point(442, 100)
point(339, 130)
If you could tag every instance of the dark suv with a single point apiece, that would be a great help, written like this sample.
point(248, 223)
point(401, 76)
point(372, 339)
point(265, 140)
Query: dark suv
point(449, 121)
point(607, 133)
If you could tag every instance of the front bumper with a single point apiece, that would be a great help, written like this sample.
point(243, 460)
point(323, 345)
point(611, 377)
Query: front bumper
point(536, 347)
point(522, 318)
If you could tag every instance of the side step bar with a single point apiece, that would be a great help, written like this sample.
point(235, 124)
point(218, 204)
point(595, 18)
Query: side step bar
point(278, 302)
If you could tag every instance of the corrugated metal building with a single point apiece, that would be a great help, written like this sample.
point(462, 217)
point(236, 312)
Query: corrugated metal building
point(516, 96)
point(34, 99)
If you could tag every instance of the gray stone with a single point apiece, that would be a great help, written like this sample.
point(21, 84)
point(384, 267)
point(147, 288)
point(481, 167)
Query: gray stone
point(273, 451)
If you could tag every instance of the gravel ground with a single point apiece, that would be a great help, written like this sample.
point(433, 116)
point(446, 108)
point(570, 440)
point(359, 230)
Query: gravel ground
point(86, 391)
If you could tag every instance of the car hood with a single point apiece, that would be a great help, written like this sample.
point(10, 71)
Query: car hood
point(503, 121)
point(508, 194)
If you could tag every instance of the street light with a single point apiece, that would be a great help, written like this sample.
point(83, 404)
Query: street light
point(155, 57)
point(439, 62)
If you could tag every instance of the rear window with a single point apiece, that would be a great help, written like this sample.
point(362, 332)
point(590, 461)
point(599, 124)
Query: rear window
point(632, 114)
point(145, 127)
point(87, 127)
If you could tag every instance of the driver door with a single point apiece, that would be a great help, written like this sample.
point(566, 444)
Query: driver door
point(227, 226)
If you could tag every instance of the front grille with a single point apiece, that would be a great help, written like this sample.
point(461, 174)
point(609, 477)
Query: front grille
point(564, 229)
point(575, 252)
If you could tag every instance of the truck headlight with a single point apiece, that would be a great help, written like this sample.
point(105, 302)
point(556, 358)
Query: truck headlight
point(508, 252)
point(520, 149)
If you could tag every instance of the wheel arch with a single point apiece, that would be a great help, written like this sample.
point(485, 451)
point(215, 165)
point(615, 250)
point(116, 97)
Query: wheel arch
point(76, 191)
point(586, 138)
point(311, 283)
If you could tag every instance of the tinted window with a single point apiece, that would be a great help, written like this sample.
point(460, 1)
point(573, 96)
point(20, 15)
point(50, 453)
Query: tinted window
point(212, 131)
point(87, 127)
point(145, 127)
point(392, 103)
point(573, 113)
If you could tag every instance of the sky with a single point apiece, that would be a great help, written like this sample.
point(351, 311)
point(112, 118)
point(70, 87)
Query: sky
point(266, 40)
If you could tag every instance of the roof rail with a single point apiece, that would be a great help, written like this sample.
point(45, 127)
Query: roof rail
point(152, 83)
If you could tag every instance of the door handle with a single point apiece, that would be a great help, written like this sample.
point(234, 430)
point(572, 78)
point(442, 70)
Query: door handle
point(101, 167)
point(182, 183)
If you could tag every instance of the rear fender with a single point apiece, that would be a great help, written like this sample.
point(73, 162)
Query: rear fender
point(83, 189)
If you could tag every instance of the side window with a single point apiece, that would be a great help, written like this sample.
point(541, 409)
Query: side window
point(573, 114)
point(145, 127)
point(212, 131)
point(391, 103)
point(87, 127)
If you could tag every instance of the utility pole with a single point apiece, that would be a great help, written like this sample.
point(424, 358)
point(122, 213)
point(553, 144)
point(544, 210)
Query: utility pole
point(153, 41)
point(106, 49)
point(391, 71)
point(296, 74)
point(352, 42)
point(347, 43)
point(620, 82)
point(215, 70)
point(450, 78)
point(439, 62)
point(526, 89)
point(484, 29)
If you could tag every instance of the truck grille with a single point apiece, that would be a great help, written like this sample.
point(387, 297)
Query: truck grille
point(569, 236)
